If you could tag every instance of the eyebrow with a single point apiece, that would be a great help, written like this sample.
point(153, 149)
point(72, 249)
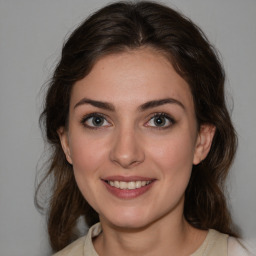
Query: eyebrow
point(156, 103)
point(95, 103)
point(143, 107)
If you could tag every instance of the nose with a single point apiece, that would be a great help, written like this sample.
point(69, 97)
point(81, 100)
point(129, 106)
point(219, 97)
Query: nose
point(127, 149)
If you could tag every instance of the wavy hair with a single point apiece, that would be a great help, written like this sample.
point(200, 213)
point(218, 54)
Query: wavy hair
point(117, 28)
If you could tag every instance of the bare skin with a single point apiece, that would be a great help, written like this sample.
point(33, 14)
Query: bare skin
point(157, 239)
point(132, 120)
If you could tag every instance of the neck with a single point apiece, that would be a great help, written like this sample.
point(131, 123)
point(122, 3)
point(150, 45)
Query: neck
point(159, 238)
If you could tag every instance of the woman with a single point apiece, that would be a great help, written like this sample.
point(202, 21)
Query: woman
point(141, 136)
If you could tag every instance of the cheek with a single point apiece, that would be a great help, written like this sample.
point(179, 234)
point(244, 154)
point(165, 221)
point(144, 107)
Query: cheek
point(174, 156)
point(176, 149)
point(88, 156)
point(87, 153)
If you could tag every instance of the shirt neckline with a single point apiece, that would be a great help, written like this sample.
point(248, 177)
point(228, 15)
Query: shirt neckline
point(96, 229)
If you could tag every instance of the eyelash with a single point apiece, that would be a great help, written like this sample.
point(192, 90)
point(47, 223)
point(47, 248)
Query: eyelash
point(93, 115)
point(166, 116)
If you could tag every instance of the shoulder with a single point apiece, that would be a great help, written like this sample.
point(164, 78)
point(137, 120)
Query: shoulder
point(75, 248)
point(217, 243)
point(83, 245)
point(237, 247)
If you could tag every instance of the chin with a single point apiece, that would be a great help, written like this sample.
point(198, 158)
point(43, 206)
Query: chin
point(130, 225)
point(127, 220)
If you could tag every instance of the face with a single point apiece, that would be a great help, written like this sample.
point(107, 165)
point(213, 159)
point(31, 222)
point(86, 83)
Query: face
point(132, 138)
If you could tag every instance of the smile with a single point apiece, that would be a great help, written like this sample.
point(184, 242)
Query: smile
point(128, 185)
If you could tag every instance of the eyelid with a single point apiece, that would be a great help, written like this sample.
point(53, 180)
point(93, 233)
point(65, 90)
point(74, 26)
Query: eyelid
point(161, 114)
point(106, 118)
point(91, 115)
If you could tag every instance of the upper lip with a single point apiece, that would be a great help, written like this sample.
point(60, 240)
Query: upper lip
point(127, 178)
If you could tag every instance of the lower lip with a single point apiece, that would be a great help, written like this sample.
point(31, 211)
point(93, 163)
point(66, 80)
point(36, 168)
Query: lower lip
point(128, 193)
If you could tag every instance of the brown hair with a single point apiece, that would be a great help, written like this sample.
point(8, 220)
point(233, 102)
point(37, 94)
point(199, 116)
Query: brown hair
point(116, 28)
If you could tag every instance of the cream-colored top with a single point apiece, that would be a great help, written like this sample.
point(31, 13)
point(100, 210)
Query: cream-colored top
point(215, 244)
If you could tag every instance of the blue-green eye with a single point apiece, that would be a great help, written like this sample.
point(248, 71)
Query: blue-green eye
point(160, 121)
point(95, 121)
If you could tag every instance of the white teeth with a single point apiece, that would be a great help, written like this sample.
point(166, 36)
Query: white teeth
point(116, 184)
point(138, 184)
point(131, 185)
point(128, 185)
point(123, 185)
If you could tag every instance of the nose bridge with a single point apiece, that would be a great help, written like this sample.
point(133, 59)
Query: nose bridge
point(126, 149)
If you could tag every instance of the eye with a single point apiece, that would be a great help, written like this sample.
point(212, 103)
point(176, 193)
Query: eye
point(95, 121)
point(160, 121)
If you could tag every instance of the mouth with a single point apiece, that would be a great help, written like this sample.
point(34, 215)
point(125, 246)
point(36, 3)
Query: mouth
point(131, 185)
point(128, 187)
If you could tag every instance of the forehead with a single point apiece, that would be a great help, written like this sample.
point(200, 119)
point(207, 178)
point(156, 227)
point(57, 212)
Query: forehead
point(133, 76)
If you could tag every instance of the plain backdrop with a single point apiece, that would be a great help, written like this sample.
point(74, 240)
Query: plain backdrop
point(31, 35)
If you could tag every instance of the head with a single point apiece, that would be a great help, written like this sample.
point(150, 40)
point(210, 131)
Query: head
point(117, 29)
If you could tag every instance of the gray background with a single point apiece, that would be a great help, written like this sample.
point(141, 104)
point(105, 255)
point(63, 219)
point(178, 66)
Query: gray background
point(31, 35)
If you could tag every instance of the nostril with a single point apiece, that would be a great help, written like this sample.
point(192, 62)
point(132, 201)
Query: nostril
point(126, 151)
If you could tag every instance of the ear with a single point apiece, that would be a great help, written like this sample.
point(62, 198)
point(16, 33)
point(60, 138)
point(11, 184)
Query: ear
point(203, 143)
point(63, 135)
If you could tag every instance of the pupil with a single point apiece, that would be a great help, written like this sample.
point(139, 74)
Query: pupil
point(160, 121)
point(97, 121)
